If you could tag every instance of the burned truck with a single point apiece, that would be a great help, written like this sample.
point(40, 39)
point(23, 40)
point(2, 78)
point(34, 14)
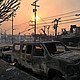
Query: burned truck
point(51, 59)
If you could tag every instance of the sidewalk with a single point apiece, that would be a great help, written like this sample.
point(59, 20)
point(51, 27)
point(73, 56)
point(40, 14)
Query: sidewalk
point(8, 72)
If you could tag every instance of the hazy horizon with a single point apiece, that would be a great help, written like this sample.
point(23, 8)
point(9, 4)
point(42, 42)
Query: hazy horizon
point(47, 8)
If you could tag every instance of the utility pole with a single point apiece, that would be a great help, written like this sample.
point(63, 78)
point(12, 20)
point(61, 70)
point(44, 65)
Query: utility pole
point(5, 35)
point(12, 26)
point(56, 21)
point(44, 30)
point(35, 10)
point(1, 35)
point(48, 29)
point(19, 37)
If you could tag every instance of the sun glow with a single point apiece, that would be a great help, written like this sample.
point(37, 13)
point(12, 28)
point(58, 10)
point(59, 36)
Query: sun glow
point(37, 18)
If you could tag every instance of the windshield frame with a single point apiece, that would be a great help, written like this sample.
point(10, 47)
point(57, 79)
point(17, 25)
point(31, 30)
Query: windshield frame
point(49, 46)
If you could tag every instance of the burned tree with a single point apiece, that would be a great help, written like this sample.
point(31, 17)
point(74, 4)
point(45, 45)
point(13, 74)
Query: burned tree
point(7, 7)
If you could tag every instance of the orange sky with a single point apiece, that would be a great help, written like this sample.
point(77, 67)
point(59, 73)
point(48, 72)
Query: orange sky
point(47, 8)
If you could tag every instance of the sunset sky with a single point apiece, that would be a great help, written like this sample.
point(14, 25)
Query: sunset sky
point(47, 8)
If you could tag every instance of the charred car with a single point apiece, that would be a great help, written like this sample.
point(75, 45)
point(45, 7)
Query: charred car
point(6, 53)
point(1, 51)
point(51, 59)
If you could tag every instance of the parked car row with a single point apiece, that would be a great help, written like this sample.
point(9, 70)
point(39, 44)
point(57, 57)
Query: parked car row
point(51, 59)
point(5, 52)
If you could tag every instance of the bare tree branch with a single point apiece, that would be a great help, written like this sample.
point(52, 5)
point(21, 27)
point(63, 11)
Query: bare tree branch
point(7, 7)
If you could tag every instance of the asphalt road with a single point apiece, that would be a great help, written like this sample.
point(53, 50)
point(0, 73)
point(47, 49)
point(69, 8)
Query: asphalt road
point(8, 72)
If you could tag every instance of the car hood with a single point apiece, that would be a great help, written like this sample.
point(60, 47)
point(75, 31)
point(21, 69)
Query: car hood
point(69, 56)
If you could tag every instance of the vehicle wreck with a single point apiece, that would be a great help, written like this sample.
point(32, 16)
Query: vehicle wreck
point(51, 59)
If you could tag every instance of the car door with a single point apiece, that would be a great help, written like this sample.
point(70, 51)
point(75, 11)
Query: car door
point(16, 51)
point(39, 61)
point(28, 54)
point(22, 54)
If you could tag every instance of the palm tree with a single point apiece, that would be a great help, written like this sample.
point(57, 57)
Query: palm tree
point(7, 7)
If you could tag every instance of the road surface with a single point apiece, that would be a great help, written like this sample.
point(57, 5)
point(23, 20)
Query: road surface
point(8, 72)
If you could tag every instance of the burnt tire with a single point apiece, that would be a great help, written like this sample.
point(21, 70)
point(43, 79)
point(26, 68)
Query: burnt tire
point(56, 78)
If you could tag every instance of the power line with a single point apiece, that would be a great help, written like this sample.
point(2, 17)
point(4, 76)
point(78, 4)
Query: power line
point(60, 21)
point(49, 20)
point(21, 23)
point(70, 22)
point(50, 25)
point(70, 19)
point(60, 17)
point(44, 23)
point(42, 19)
point(27, 30)
point(62, 14)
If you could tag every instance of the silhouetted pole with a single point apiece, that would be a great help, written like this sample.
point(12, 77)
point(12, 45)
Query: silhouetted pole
point(35, 22)
point(5, 35)
point(12, 27)
point(44, 30)
point(48, 29)
point(19, 37)
point(34, 10)
point(1, 35)
point(56, 25)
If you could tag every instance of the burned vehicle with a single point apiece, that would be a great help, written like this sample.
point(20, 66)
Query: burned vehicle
point(1, 51)
point(6, 52)
point(51, 59)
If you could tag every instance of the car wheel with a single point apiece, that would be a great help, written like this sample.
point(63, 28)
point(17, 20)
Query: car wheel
point(56, 78)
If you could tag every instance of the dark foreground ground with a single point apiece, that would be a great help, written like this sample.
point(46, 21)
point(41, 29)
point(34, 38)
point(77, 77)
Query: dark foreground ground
point(8, 72)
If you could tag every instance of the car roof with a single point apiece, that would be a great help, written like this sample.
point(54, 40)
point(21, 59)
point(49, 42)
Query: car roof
point(40, 42)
